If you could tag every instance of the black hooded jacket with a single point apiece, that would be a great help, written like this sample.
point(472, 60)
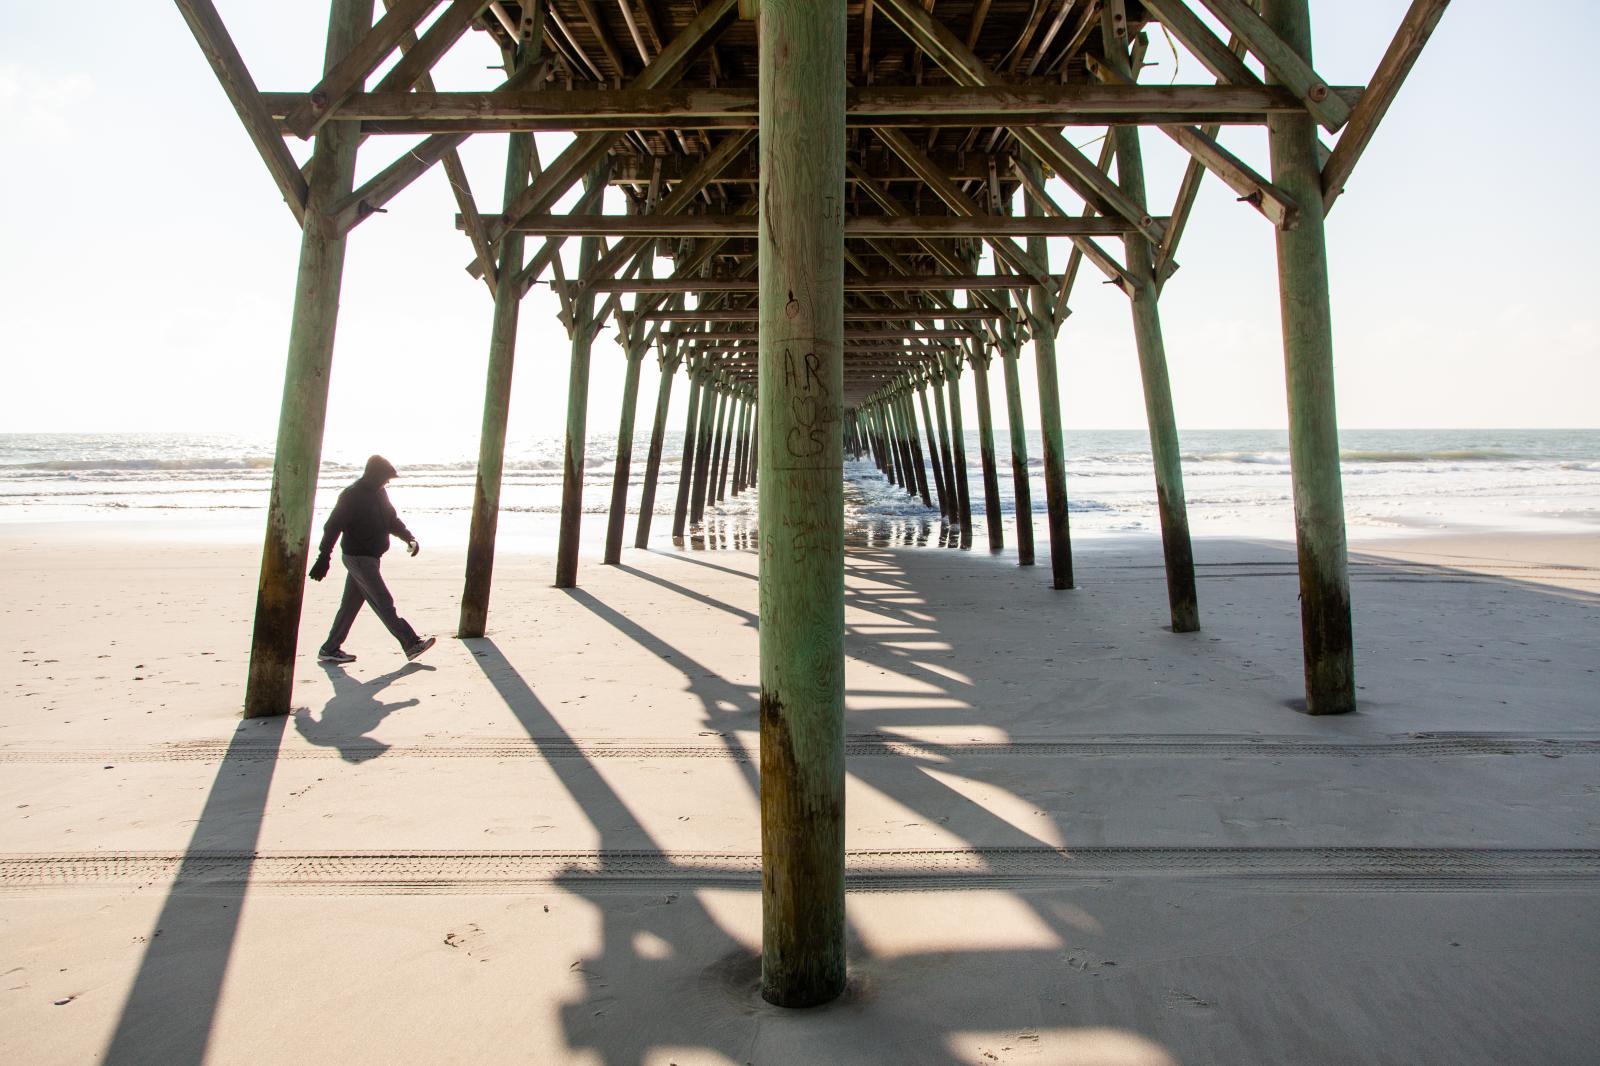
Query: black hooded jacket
point(364, 514)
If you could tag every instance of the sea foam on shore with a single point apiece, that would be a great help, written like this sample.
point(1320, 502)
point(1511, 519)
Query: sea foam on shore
point(1237, 482)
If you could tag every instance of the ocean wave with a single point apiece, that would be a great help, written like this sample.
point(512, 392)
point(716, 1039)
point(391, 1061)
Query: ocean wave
point(254, 462)
point(1448, 455)
point(1353, 455)
point(1268, 458)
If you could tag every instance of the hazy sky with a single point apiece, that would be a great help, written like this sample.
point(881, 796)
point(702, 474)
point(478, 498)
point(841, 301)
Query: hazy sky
point(149, 261)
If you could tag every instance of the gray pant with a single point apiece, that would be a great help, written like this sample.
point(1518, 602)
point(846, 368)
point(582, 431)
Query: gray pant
point(364, 584)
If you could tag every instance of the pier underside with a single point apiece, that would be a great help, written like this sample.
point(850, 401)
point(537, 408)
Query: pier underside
point(857, 202)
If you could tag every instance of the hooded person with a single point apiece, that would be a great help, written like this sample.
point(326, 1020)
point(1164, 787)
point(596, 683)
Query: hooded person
point(365, 520)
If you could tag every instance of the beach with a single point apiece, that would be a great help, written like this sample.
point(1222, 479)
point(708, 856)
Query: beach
point(1073, 835)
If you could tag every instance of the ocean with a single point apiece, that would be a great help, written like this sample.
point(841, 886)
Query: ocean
point(1237, 484)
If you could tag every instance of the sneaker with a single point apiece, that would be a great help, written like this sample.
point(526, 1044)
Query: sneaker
point(419, 647)
point(335, 656)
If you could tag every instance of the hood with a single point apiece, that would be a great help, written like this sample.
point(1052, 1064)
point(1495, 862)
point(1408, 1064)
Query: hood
point(379, 470)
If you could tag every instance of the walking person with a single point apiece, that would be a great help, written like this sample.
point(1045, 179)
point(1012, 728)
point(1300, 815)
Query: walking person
point(366, 520)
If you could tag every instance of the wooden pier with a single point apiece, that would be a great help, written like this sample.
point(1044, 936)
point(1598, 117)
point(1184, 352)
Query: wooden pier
point(824, 179)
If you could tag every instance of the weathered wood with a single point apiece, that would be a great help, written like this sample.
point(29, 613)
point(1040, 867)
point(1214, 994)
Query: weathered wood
point(618, 110)
point(397, 176)
point(1010, 355)
point(351, 72)
point(719, 489)
point(699, 379)
point(1082, 246)
point(958, 202)
point(857, 333)
point(946, 458)
point(1188, 191)
point(740, 439)
point(966, 68)
point(896, 283)
point(1283, 62)
point(909, 415)
point(751, 314)
point(234, 77)
point(589, 148)
point(801, 251)
point(991, 478)
point(685, 195)
point(1398, 59)
point(1313, 418)
point(572, 456)
point(958, 447)
point(1043, 329)
point(444, 32)
point(658, 436)
point(619, 478)
point(705, 451)
point(1221, 60)
point(946, 505)
point(479, 578)
point(1234, 172)
point(297, 460)
point(910, 226)
point(1151, 347)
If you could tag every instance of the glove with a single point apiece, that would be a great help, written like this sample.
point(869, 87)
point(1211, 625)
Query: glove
point(319, 569)
point(412, 548)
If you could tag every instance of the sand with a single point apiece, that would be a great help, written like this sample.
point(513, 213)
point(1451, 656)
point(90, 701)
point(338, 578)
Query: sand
point(1075, 837)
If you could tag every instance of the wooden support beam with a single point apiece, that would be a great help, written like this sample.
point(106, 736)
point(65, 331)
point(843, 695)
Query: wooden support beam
point(1188, 191)
point(572, 458)
point(1286, 66)
point(1022, 494)
point(682, 197)
point(699, 380)
point(719, 485)
point(669, 362)
point(946, 504)
point(479, 579)
point(297, 459)
point(602, 36)
point(1085, 247)
point(857, 333)
point(801, 519)
point(445, 31)
point(958, 445)
point(991, 478)
point(1326, 630)
point(1234, 172)
point(895, 283)
point(705, 459)
point(1165, 452)
point(1043, 330)
point(588, 149)
point(751, 315)
point(620, 110)
point(1398, 59)
point(967, 69)
point(549, 254)
point(1221, 60)
point(619, 477)
point(352, 71)
point(956, 200)
point(393, 179)
point(234, 77)
point(904, 226)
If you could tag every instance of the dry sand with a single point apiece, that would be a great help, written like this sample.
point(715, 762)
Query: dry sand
point(1075, 837)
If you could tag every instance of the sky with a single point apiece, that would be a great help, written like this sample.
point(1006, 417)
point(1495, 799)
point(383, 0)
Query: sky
point(149, 261)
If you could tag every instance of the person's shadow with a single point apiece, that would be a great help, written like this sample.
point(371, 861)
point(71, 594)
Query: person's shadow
point(354, 712)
